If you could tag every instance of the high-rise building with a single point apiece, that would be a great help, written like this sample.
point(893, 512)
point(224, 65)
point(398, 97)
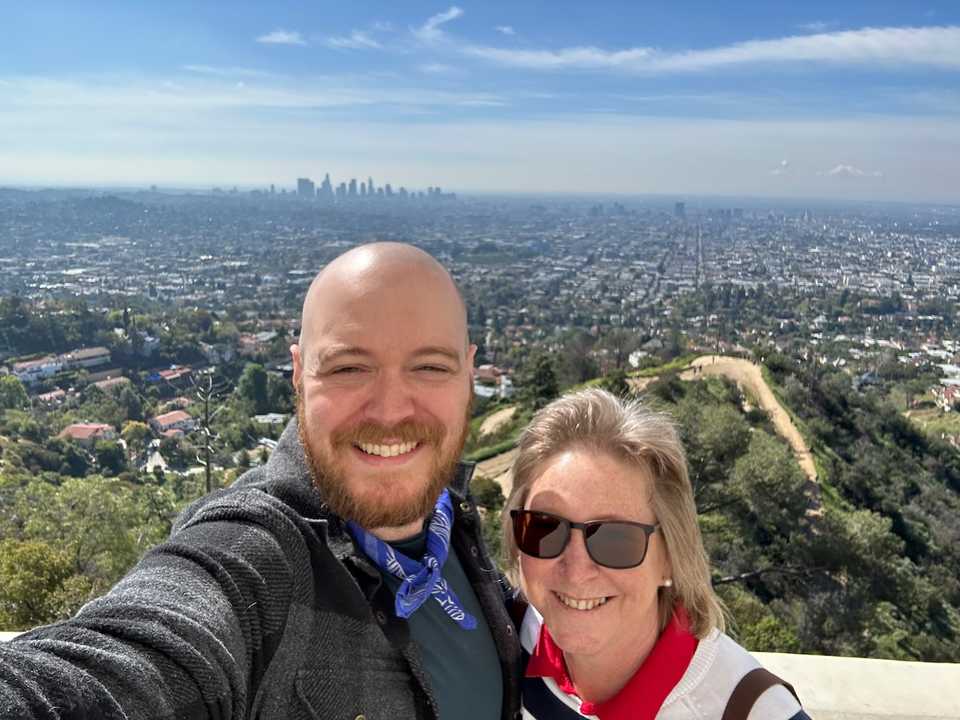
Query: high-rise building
point(680, 210)
point(326, 189)
point(352, 191)
point(363, 189)
point(305, 187)
point(388, 190)
point(370, 185)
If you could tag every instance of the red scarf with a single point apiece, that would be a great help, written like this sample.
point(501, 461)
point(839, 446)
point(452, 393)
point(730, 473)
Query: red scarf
point(644, 693)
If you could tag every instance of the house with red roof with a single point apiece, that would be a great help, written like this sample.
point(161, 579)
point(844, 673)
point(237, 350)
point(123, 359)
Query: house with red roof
point(175, 422)
point(87, 434)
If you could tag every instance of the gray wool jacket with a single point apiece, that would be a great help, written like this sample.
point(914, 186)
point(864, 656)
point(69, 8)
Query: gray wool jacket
point(256, 607)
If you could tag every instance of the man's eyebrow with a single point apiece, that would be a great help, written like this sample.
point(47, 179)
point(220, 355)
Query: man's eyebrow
point(329, 354)
point(448, 353)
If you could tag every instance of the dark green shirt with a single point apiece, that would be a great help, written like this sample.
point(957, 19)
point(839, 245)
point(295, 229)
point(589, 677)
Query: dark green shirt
point(463, 665)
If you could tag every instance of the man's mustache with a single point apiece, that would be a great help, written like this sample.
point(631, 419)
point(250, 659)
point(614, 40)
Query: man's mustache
point(376, 433)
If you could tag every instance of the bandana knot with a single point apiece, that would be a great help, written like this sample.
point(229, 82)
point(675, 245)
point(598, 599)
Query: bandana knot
point(420, 580)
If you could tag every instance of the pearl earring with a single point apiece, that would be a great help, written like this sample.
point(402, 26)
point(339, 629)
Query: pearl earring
point(668, 583)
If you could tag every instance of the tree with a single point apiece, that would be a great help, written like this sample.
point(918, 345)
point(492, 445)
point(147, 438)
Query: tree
point(487, 493)
point(279, 394)
point(102, 525)
point(771, 484)
point(131, 403)
point(135, 435)
point(616, 383)
point(253, 387)
point(540, 382)
point(32, 577)
point(12, 394)
point(110, 456)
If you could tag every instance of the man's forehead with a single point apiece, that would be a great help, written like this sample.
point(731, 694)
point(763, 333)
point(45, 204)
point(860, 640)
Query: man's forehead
point(386, 331)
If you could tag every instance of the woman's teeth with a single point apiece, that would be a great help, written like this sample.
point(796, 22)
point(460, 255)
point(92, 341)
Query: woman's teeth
point(388, 450)
point(576, 604)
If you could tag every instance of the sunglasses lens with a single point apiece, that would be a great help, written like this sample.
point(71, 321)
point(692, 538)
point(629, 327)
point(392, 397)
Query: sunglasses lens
point(616, 545)
point(540, 535)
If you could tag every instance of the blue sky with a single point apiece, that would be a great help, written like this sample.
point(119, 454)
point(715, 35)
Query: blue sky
point(856, 100)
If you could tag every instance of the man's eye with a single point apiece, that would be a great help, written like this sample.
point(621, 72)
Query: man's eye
point(433, 369)
point(346, 370)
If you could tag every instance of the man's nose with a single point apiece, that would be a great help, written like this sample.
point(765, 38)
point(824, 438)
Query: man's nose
point(392, 399)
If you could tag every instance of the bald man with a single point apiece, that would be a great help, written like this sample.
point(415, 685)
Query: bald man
point(346, 578)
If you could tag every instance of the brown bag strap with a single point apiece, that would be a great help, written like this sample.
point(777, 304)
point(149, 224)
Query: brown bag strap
point(749, 689)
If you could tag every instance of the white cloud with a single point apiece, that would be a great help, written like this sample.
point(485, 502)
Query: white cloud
point(357, 40)
point(929, 46)
point(849, 171)
point(226, 71)
point(282, 37)
point(567, 58)
point(781, 169)
point(505, 30)
point(104, 95)
point(431, 29)
point(818, 26)
point(437, 69)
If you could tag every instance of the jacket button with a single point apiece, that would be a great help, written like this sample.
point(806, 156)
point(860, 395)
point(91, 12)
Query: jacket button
point(360, 717)
point(474, 550)
point(465, 506)
point(381, 618)
point(509, 629)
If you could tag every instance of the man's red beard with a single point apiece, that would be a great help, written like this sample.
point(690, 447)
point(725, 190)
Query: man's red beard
point(330, 477)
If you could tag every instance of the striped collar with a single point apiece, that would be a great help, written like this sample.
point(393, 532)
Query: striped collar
point(644, 693)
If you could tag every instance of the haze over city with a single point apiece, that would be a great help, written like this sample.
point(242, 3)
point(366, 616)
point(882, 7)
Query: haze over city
point(846, 101)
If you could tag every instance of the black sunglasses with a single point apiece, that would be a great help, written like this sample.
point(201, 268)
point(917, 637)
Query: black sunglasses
point(614, 544)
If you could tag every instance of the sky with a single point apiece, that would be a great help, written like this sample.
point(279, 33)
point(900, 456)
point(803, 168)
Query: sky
point(845, 99)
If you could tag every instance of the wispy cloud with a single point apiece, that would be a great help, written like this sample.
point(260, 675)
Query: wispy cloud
point(357, 40)
point(431, 29)
point(505, 30)
point(437, 69)
point(226, 71)
point(781, 169)
point(849, 171)
point(817, 26)
point(213, 92)
point(903, 47)
point(282, 37)
point(586, 58)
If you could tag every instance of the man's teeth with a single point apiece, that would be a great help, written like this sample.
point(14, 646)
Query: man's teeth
point(388, 450)
point(581, 604)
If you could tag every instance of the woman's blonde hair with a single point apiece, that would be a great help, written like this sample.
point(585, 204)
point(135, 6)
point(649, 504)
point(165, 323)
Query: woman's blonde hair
point(630, 432)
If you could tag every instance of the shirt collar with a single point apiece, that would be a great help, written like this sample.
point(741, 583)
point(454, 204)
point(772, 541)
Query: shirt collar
point(644, 693)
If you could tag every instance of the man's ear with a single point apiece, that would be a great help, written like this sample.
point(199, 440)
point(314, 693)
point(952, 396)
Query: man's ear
point(297, 358)
point(471, 355)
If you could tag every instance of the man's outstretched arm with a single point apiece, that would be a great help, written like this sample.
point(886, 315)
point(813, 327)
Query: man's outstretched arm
point(185, 635)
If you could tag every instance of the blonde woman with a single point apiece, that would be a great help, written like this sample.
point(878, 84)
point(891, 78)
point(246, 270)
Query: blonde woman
point(601, 533)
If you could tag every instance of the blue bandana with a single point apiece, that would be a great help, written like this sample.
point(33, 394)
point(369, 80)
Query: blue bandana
point(420, 580)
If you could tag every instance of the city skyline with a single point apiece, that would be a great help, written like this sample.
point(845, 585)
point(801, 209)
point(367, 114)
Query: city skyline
point(846, 101)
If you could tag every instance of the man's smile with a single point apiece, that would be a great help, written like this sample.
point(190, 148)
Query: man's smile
point(392, 450)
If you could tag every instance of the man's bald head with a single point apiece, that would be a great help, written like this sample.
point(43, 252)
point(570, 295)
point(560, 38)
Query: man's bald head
point(362, 270)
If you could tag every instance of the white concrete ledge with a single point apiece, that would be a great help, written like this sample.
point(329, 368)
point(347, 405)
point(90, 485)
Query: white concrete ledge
point(843, 688)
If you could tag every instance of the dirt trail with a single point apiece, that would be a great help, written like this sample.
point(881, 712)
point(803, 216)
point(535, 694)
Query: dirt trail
point(493, 422)
point(748, 377)
point(497, 469)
